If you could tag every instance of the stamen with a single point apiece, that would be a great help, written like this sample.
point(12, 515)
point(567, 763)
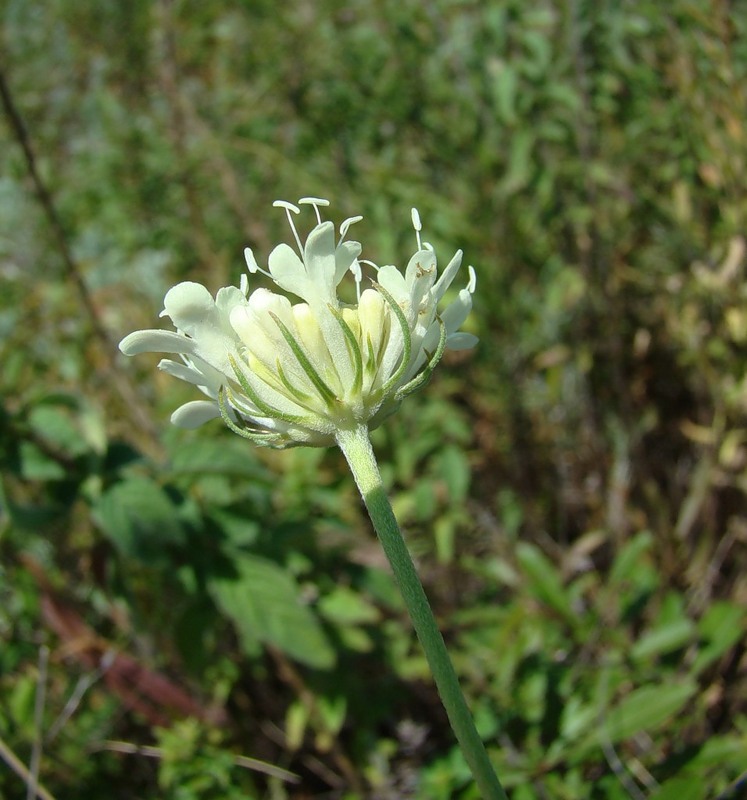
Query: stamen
point(252, 265)
point(417, 225)
point(355, 268)
point(369, 263)
point(316, 202)
point(472, 285)
point(346, 223)
point(296, 210)
point(428, 246)
point(287, 206)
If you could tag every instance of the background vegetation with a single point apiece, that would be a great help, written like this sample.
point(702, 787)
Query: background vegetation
point(210, 620)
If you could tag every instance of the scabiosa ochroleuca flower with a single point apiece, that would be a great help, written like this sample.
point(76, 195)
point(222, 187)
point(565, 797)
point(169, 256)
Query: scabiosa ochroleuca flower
point(281, 372)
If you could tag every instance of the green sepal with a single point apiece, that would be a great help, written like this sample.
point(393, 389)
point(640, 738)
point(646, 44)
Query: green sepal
point(407, 339)
point(300, 397)
point(422, 377)
point(265, 408)
point(265, 439)
point(324, 390)
point(353, 343)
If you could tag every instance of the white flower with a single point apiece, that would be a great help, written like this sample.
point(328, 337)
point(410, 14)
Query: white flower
point(282, 373)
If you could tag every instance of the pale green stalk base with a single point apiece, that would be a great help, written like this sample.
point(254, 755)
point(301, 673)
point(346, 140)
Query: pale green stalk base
point(356, 446)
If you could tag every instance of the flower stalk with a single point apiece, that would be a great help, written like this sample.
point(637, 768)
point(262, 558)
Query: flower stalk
point(324, 371)
point(356, 446)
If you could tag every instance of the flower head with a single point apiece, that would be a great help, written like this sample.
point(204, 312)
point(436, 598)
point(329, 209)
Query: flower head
point(281, 372)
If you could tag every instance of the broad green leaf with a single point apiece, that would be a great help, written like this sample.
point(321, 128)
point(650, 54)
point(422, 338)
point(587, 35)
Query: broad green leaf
point(261, 599)
point(644, 709)
point(36, 465)
point(444, 535)
point(543, 579)
point(628, 559)
point(722, 626)
point(345, 606)
point(140, 519)
point(217, 457)
point(58, 427)
point(685, 787)
point(453, 466)
point(664, 639)
point(505, 85)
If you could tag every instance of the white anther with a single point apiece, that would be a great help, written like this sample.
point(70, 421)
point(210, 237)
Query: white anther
point(252, 265)
point(472, 285)
point(417, 225)
point(316, 202)
point(287, 206)
point(296, 210)
point(313, 201)
point(355, 268)
point(346, 223)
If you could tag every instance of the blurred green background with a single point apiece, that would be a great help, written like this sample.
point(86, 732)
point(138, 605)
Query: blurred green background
point(573, 490)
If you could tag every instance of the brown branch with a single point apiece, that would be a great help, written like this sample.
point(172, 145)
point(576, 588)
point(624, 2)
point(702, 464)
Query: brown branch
point(15, 763)
point(72, 269)
point(289, 675)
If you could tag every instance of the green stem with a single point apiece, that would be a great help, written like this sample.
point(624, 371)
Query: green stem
point(356, 446)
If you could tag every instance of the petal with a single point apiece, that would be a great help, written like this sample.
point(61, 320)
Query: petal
point(310, 336)
point(461, 341)
point(228, 298)
point(345, 255)
point(447, 276)
point(182, 371)
point(374, 322)
point(191, 308)
point(194, 414)
point(288, 271)
point(320, 258)
point(456, 312)
point(420, 275)
point(153, 341)
point(394, 282)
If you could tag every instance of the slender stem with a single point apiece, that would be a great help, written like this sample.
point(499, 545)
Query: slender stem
point(356, 446)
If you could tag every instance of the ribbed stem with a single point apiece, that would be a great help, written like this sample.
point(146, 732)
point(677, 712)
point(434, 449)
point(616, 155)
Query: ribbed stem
point(356, 446)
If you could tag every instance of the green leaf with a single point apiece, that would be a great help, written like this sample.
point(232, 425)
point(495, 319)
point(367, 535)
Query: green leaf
point(345, 606)
point(216, 457)
point(261, 599)
point(454, 467)
point(685, 787)
point(36, 465)
point(140, 519)
point(663, 639)
point(722, 626)
point(543, 579)
point(644, 709)
point(628, 559)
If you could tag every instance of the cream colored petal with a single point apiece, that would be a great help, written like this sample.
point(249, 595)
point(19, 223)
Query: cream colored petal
point(194, 414)
point(420, 275)
point(461, 341)
point(191, 308)
point(320, 260)
point(345, 255)
point(288, 270)
point(456, 312)
point(155, 341)
point(446, 277)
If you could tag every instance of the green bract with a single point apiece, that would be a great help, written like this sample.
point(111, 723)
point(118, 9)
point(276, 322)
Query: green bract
point(282, 373)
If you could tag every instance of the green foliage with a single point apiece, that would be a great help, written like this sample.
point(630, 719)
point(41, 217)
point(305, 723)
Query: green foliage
point(573, 491)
